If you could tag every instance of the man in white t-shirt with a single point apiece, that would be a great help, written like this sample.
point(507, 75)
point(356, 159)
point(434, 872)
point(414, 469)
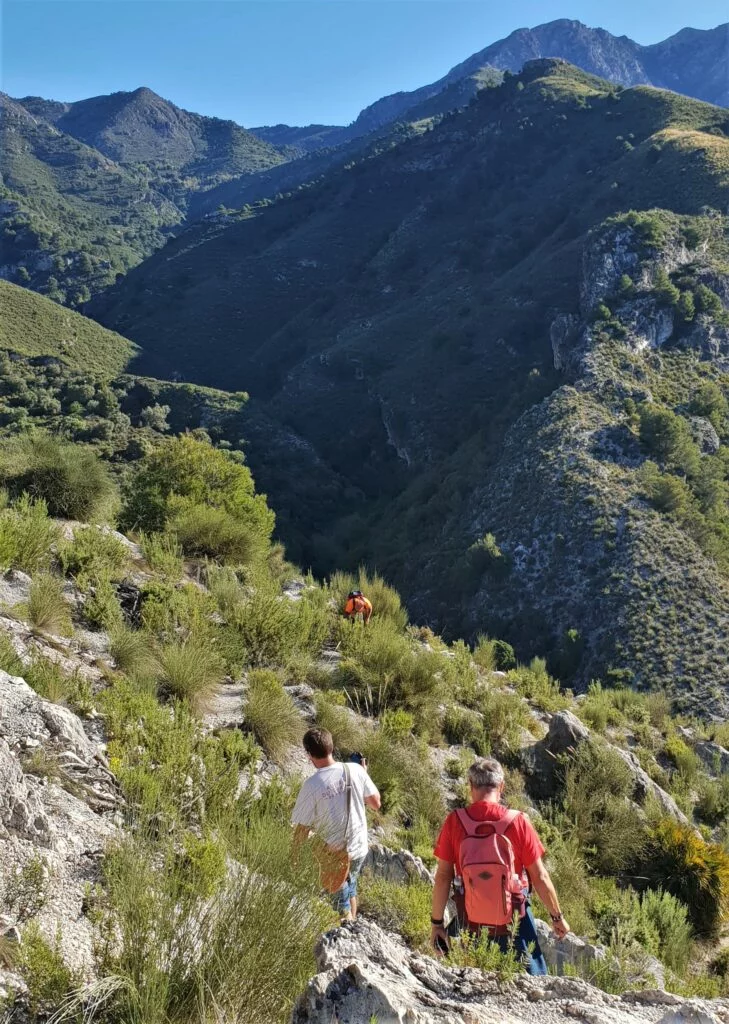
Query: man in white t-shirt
point(321, 807)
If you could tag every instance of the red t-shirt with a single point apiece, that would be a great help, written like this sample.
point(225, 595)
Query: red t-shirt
point(521, 834)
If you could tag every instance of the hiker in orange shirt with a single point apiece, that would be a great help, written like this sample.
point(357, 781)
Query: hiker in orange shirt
point(358, 604)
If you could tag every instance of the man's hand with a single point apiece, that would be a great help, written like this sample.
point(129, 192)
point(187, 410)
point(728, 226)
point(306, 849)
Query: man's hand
point(560, 927)
point(439, 939)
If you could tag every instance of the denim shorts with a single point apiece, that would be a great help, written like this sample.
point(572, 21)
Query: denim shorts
point(342, 898)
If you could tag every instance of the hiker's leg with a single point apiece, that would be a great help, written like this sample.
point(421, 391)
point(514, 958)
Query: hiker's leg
point(342, 902)
point(526, 945)
point(354, 870)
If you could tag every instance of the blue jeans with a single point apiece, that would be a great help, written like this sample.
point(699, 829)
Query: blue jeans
point(534, 962)
point(342, 898)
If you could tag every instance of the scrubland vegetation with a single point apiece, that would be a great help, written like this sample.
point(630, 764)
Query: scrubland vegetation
point(195, 906)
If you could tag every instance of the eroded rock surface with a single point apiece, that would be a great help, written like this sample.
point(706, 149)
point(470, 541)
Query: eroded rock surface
point(57, 798)
point(367, 974)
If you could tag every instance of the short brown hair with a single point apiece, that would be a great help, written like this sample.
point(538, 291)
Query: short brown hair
point(318, 742)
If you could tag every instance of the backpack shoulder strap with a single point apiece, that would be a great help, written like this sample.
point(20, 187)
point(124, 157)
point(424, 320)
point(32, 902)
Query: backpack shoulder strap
point(469, 825)
point(502, 824)
point(348, 785)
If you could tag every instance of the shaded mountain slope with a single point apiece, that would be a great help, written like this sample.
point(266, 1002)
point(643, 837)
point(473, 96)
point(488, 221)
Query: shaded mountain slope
point(395, 320)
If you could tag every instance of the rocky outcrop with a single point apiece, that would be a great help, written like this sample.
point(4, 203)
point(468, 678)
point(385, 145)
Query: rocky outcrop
point(566, 733)
point(367, 974)
point(57, 798)
point(399, 866)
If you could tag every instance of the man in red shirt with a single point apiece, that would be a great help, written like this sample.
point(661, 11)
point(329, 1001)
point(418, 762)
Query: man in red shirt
point(486, 782)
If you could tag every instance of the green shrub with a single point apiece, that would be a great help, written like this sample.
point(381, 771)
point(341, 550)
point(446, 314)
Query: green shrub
point(44, 971)
point(339, 720)
point(696, 872)
point(668, 918)
point(382, 669)
point(102, 609)
point(479, 951)
point(484, 654)
point(47, 608)
point(131, 650)
point(397, 724)
point(185, 473)
point(71, 479)
point(713, 803)
point(162, 553)
point(94, 553)
point(668, 437)
point(271, 714)
point(169, 609)
point(465, 727)
point(504, 716)
point(248, 948)
point(597, 799)
point(682, 756)
point(206, 532)
point(408, 785)
point(598, 709)
point(535, 683)
point(399, 908)
point(266, 627)
point(190, 671)
point(26, 536)
point(10, 660)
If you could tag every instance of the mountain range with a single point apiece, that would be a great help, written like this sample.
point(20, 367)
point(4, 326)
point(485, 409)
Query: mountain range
point(692, 61)
point(450, 319)
point(88, 189)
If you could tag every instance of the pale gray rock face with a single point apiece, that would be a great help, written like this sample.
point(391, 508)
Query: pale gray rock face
point(399, 866)
point(56, 798)
point(368, 974)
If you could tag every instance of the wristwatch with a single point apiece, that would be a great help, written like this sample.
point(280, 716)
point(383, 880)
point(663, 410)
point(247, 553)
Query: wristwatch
point(437, 922)
point(557, 917)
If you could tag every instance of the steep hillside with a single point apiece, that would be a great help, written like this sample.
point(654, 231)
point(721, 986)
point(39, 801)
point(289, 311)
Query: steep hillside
point(396, 321)
point(142, 127)
point(89, 189)
point(72, 218)
point(32, 325)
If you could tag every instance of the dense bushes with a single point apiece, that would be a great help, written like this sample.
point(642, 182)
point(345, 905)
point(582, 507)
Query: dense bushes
point(69, 478)
point(204, 495)
point(695, 871)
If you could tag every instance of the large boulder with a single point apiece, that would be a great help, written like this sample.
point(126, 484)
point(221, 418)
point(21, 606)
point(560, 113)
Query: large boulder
point(397, 866)
point(368, 974)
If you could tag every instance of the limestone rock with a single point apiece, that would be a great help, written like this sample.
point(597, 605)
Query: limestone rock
point(368, 974)
point(715, 758)
point(395, 866)
point(52, 811)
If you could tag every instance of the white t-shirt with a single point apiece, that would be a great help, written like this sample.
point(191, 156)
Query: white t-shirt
point(322, 806)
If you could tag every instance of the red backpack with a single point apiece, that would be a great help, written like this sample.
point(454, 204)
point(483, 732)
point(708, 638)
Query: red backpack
point(492, 887)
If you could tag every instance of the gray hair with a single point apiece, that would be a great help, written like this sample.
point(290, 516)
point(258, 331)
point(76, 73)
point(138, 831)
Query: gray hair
point(485, 773)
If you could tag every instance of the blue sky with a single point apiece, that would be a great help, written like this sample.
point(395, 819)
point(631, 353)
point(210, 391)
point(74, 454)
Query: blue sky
point(295, 61)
